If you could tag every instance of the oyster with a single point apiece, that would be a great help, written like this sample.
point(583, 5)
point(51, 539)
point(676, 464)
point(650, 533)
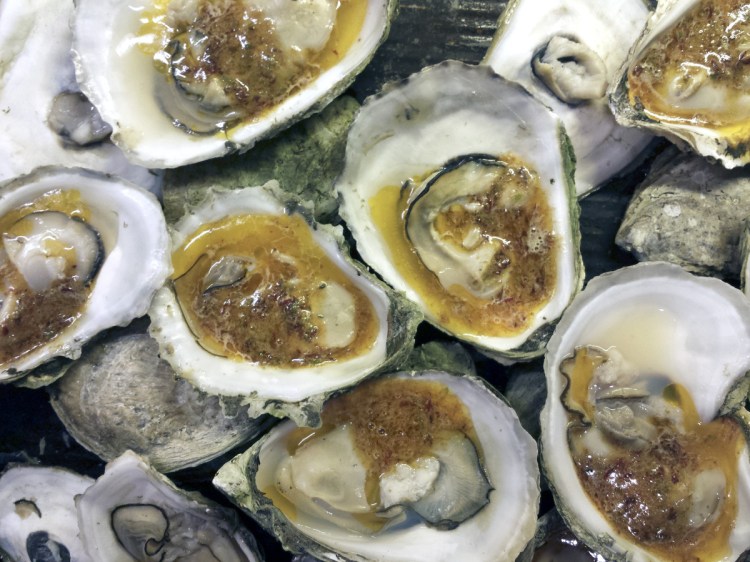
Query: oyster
point(45, 119)
point(265, 304)
point(38, 514)
point(566, 53)
point(71, 239)
point(120, 395)
point(134, 513)
point(187, 80)
point(686, 78)
point(458, 189)
point(643, 439)
point(410, 466)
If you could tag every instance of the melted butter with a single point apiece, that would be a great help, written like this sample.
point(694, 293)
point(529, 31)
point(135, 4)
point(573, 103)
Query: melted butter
point(250, 52)
point(268, 317)
point(392, 421)
point(698, 71)
point(40, 317)
point(531, 275)
point(646, 494)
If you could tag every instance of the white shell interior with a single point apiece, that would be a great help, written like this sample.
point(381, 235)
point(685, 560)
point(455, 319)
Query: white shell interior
point(119, 79)
point(416, 127)
point(499, 531)
point(602, 147)
point(696, 330)
point(221, 375)
point(134, 233)
point(52, 490)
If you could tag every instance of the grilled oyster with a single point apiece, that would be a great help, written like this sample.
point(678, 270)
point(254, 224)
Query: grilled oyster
point(187, 80)
point(71, 238)
point(643, 438)
point(458, 189)
point(132, 513)
point(38, 514)
point(566, 53)
point(265, 304)
point(410, 466)
point(687, 77)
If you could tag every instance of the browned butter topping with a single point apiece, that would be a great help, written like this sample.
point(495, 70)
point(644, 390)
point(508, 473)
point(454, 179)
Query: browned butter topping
point(527, 258)
point(268, 316)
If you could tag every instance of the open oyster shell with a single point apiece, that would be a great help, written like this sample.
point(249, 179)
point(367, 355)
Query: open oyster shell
point(458, 189)
point(71, 240)
point(566, 53)
point(119, 395)
point(463, 512)
point(134, 513)
point(686, 79)
point(643, 439)
point(298, 319)
point(164, 74)
point(38, 514)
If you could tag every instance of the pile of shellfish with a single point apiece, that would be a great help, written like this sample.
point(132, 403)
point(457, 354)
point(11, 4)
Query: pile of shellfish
point(347, 280)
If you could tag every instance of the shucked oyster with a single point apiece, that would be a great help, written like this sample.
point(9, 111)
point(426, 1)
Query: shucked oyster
point(643, 441)
point(187, 80)
point(134, 513)
point(38, 514)
point(411, 466)
point(566, 53)
point(265, 304)
point(458, 189)
point(71, 240)
point(687, 78)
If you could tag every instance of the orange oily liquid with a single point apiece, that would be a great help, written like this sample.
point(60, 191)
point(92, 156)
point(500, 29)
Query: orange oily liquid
point(707, 48)
point(269, 317)
point(258, 50)
point(392, 421)
point(645, 494)
point(531, 276)
point(40, 317)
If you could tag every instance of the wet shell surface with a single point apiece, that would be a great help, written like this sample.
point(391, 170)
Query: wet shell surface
point(646, 375)
point(458, 189)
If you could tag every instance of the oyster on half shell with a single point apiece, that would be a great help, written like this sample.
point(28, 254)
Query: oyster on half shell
point(458, 189)
point(410, 466)
point(644, 432)
point(567, 53)
point(687, 78)
point(265, 304)
point(71, 239)
point(186, 80)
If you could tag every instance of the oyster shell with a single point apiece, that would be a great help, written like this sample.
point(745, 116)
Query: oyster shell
point(45, 119)
point(119, 395)
point(566, 53)
point(458, 189)
point(134, 513)
point(181, 85)
point(436, 499)
point(298, 319)
point(643, 442)
point(71, 239)
point(686, 79)
point(38, 514)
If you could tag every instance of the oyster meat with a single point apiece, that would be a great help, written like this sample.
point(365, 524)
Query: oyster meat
point(687, 76)
point(132, 513)
point(411, 466)
point(644, 429)
point(187, 80)
point(265, 304)
point(566, 53)
point(71, 240)
point(458, 189)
